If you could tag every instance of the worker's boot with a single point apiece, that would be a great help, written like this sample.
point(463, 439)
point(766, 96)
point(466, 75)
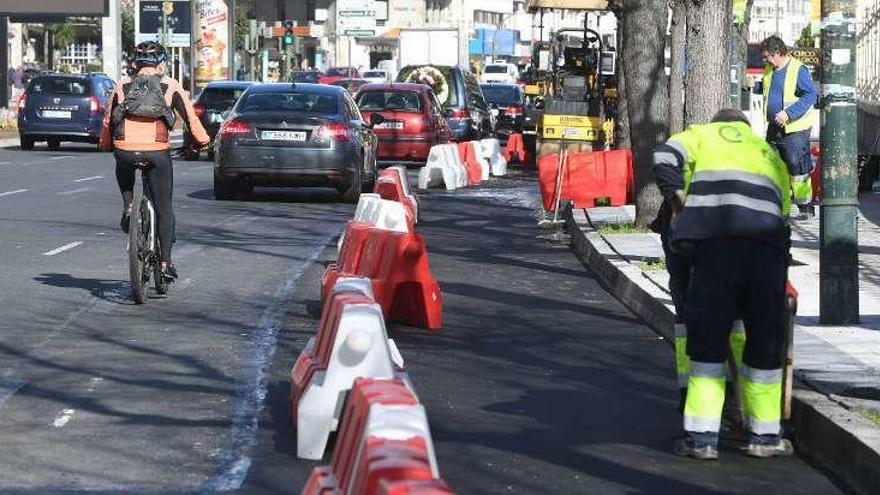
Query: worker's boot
point(765, 449)
point(687, 447)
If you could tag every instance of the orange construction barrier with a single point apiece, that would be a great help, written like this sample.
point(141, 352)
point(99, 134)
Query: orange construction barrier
point(598, 178)
point(397, 265)
point(389, 186)
point(515, 148)
point(471, 162)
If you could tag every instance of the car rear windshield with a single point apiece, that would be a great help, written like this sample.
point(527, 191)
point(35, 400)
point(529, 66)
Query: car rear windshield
point(340, 71)
point(60, 86)
point(395, 101)
point(221, 98)
point(288, 102)
point(495, 69)
point(441, 79)
point(374, 73)
point(501, 94)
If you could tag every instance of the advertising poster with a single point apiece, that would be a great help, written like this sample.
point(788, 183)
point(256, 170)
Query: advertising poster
point(150, 23)
point(212, 41)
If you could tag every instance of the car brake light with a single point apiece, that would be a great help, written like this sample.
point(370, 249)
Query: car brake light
point(199, 109)
point(232, 128)
point(513, 111)
point(459, 113)
point(334, 131)
point(21, 103)
point(95, 106)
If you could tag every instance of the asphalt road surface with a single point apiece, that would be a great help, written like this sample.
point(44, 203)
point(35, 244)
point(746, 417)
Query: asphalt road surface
point(539, 382)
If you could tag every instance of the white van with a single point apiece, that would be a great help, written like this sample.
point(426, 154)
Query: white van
point(502, 73)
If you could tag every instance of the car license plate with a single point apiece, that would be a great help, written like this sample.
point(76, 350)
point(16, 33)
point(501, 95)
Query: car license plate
point(390, 125)
point(56, 114)
point(283, 135)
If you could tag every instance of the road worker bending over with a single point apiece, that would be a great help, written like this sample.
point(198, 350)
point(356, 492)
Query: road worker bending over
point(730, 194)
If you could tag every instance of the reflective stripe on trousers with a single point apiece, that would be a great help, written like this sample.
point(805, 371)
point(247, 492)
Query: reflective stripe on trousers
point(705, 398)
point(762, 399)
point(683, 362)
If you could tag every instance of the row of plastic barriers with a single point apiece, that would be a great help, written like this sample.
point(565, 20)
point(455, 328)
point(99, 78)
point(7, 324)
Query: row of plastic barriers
point(468, 163)
point(350, 378)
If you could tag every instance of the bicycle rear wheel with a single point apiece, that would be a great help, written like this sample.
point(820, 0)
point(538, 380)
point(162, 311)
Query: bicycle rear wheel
point(138, 237)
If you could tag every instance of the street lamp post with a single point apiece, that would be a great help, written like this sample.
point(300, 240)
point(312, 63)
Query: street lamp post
point(838, 237)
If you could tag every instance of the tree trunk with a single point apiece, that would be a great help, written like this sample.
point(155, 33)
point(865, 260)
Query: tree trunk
point(707, 81)
point(676, 66)
point(643, 29)
point(622, 137)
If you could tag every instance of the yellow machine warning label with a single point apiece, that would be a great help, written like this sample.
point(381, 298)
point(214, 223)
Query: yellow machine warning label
point(572, 127)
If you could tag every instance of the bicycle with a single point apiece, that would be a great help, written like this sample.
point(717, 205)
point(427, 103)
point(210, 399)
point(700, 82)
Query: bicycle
point(143, 242)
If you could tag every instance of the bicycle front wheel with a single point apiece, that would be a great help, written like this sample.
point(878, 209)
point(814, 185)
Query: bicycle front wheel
point(138, 237)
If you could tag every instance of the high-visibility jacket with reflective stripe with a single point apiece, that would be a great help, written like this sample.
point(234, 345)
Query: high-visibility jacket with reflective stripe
point(789, 95)
point(736, 184)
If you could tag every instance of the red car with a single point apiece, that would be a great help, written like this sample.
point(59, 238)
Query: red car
point(413, 121)
point(336, 73)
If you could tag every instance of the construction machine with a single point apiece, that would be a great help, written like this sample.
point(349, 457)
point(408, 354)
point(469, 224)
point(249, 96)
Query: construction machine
point(572, 84)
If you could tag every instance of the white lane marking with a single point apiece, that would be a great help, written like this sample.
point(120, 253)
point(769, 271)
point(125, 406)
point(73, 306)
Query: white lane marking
point(89, 178)
point(235, 459)
point(10, 193)
point(63, 418)
point(8, 388)
point(5, 163)
point(62, 248)
point(75, 191)
point(62, 157)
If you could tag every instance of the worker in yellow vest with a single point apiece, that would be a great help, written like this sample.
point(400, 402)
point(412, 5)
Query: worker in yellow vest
point(789, 105)
point(730, 194)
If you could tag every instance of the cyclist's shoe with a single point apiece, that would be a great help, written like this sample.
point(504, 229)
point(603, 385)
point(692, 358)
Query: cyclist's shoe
point(169, 271)
point(126, 218)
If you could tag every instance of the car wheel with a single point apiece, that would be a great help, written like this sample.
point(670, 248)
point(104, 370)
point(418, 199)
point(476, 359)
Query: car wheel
point(353, 193)
point(26, 143)
point(53, 144)
point(190, 154)
point(224, 189)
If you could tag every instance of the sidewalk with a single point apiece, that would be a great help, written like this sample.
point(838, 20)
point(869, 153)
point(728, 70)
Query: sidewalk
point(836, 410)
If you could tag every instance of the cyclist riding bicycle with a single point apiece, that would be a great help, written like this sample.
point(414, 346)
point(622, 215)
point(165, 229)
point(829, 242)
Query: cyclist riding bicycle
point(137, 125)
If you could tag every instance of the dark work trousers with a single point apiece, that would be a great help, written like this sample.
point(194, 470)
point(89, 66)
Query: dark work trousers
point(732, 277)
point(161, 176)
point(679, 269)
point(794, 148)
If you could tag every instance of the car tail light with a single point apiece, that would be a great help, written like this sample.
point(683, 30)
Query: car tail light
point(22, 102)
point(459, 113)
point(334, 131)
point(199, 109)
point(95, 106)
point(234, 127)
point(513, 111)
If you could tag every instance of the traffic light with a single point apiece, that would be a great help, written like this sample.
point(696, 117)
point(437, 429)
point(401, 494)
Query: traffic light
point(288, 33)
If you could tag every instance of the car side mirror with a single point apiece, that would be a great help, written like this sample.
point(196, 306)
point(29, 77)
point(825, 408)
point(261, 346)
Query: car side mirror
point(376, 119)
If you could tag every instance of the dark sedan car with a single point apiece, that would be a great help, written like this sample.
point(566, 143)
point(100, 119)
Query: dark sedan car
point(295, 135)
point(215, 99)
point(63, 107)
point(306, 76)
point(352, 85)
point(507, 103)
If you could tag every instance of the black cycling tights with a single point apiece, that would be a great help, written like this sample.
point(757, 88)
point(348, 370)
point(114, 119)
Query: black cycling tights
point(161, 177)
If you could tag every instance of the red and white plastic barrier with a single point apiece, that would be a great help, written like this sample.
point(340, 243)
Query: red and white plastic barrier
point(383, 214)
point(397, 265)
point(383, 442)
point(490, 150)
point(351, 343)
point(470, 157)
point(393, 185)
point(587, 177)
point(443, 168)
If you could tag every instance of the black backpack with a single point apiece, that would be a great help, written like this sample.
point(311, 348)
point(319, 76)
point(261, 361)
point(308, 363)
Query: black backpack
point(144, 99)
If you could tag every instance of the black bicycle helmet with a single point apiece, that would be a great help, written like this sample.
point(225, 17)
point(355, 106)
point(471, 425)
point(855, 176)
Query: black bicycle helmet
point(149, 54)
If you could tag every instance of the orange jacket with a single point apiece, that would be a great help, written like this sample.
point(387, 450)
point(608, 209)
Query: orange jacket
point(150, 135)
